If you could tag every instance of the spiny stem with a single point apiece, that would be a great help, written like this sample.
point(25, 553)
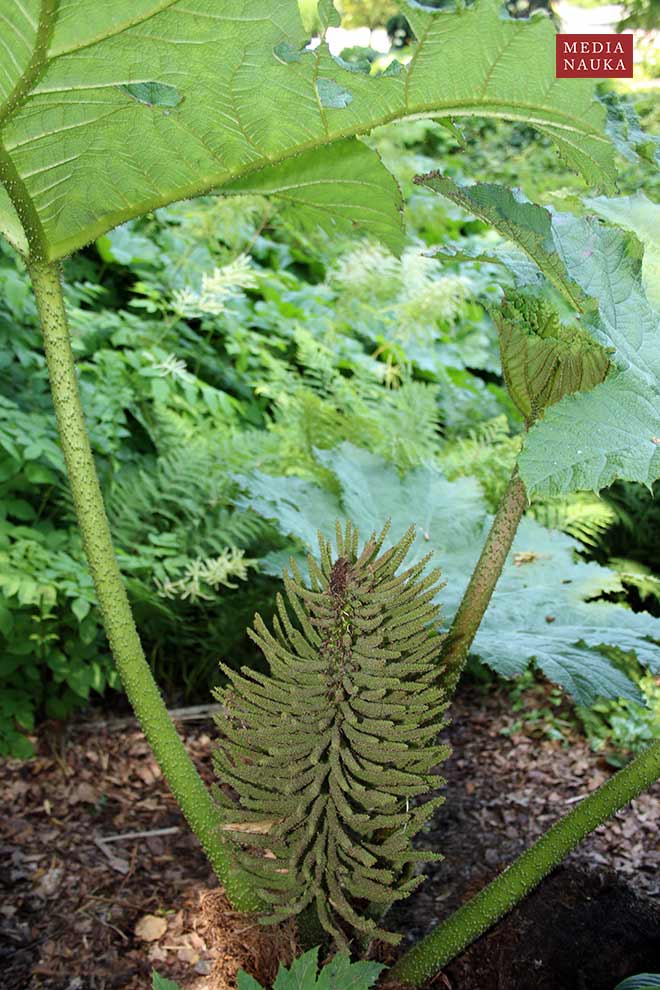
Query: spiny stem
point(186, 784)
point(449, 939)
point(482, 583)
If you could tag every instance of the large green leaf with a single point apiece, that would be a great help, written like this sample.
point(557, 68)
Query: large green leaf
point(529, 227)
point(540, 607)
point(109, 110)
point(642, 217)
point(590, 439)
point(159, 982)
point(10, 225)
point(345, 190)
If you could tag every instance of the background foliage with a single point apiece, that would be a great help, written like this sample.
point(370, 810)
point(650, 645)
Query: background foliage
point(219, 343)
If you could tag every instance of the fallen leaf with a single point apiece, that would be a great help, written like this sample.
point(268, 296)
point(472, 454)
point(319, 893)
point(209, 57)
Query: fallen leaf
point(188, 955)
point(148, 773)
point(50, 882)
point(150, 928)
point(83, 794)
point(254, 828)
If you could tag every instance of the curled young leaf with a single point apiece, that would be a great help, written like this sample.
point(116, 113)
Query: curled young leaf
point(542, 359)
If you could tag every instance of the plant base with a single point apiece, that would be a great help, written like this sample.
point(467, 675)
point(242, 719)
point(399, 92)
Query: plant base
point(240, 942)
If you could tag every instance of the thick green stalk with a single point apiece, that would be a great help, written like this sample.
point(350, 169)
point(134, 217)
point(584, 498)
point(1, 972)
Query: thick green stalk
point(519, 879)
point(192, 796)
point(484, 578)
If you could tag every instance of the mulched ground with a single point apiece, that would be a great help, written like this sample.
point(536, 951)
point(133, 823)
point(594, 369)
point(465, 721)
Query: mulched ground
point(87, 907)
point(591, 923)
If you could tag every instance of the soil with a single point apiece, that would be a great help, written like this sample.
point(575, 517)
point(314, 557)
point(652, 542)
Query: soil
point(579, 931)
point(86, 906)
point(595, 920)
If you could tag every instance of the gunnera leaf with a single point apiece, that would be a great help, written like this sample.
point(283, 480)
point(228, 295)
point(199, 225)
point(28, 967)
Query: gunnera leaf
point(328, 753)
point(110, 110)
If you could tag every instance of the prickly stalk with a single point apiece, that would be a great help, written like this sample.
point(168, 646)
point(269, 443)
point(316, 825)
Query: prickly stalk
point(484, 578)
point(465, 925)
point(141, 689)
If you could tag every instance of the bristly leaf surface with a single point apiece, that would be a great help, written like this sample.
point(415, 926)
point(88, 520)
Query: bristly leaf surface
point(109, 110)
point(589, 440)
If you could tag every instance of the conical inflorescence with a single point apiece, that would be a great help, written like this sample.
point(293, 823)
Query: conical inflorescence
point(327, 755)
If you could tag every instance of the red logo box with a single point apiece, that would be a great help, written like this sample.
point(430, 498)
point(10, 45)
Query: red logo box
point(594, 56)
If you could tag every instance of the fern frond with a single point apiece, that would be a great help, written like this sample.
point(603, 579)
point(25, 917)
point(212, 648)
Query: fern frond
point(187, 491)
point(583, 515)
point(488, 452)
point(331, 748)
point(637, 576)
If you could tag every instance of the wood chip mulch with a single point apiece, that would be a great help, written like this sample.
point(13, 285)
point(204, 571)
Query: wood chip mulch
point(86, 906)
